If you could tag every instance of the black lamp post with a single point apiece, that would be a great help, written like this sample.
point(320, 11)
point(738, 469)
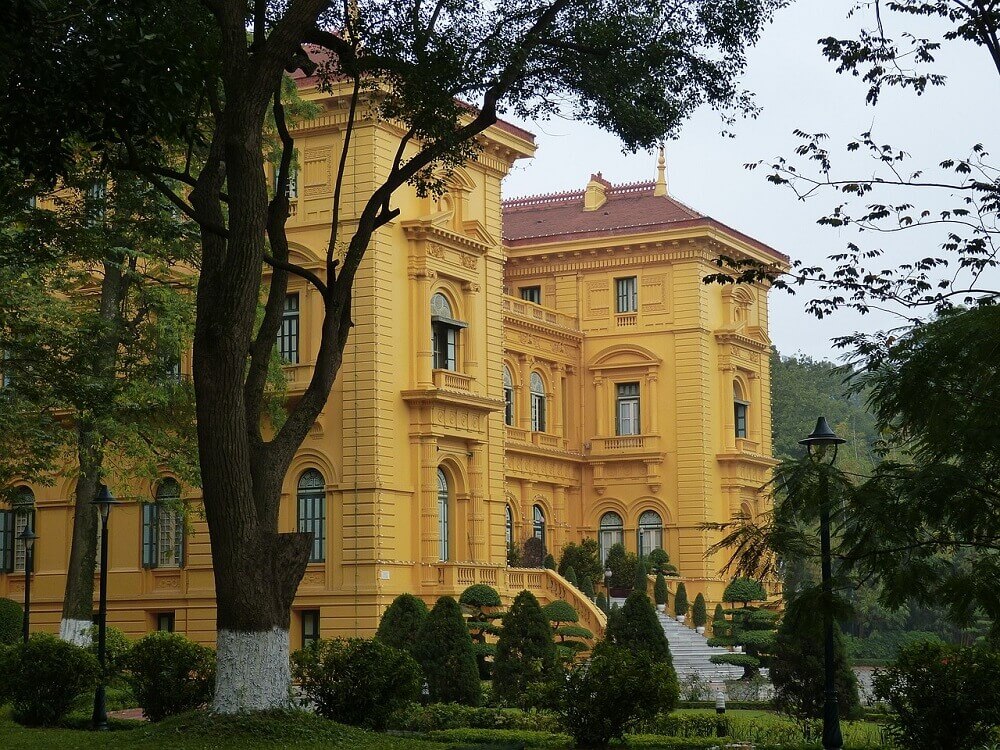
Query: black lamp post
point(103, 501)
point(818, 444)
point(27, 538)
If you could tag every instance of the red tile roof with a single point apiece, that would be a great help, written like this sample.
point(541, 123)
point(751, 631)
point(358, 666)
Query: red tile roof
point(629, 209)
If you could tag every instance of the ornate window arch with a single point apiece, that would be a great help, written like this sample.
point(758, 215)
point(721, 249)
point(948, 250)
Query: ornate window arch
point(443, 497)
point(538, 402)
point(538, 523)
point(163, 527)
point(610, 533)
point(508, 517)
point(445, 332)
point(650, 532)
point(310, 496)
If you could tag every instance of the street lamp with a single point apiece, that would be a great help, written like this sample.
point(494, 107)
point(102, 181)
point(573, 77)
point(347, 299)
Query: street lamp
point(818, 445)
point(103, 501)
point(27, 538)
point(607, 583)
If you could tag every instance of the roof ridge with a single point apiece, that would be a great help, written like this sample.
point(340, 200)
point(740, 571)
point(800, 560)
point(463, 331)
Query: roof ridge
point(632, 187)
point(542, 198)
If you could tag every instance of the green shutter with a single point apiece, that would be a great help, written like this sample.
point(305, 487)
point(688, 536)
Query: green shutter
point(150, 535)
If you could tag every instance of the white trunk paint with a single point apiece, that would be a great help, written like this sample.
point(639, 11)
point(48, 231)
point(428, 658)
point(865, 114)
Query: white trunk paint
point(76, 631)
point(253, 671)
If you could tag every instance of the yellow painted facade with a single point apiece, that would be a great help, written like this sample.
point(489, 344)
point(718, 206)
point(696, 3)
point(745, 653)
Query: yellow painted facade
point(411, 422)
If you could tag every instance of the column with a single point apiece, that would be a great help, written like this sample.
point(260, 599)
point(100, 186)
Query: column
point(421, 325)
point(524, 405)
point(427, 495)
point(653, 410)
point(728, 414)
point(599, 405)
point(558, 394)
point(478, 531)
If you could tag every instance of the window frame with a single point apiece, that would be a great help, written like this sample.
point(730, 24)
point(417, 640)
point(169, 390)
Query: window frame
point(615, 534)
point(444, 513)
point(633, 423)
point(539, 417)
point(532, 294)
point(645, 529)
point(170, 619)
point(508, 524)
point(508, 397)
point(310, 512)
point(305, 617)
point(538, 523)
point(626, 295)
point(741, 418)
point(445, 334)
point(289, 338)
point(156, 520)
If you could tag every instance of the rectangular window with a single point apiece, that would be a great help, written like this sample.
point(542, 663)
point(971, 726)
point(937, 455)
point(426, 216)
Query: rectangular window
point(292, 188)
point(626, 295)
point(312, 518)
point(532, 294)
point(508, 406)
point(6, 541)
point(288, 335)
point(97, 195)
point(445, 343)
point(627, 410)
point(310, 627)
point(165, 622)
point(538, 412)
point(23, 519)
point(740, 412)
point(162, 537)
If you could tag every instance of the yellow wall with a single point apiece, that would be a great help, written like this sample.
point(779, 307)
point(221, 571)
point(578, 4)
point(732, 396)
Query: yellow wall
point(392, 420)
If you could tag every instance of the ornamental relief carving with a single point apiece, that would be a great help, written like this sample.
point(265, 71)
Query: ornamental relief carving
point(451, 417)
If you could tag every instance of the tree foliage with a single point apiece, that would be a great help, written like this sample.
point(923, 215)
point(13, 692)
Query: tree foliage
point(444, 651)
point(635, 627)
point(584, 558)
point(526, 653)
point(401, 622)
point(681, 605)
point(699, 612)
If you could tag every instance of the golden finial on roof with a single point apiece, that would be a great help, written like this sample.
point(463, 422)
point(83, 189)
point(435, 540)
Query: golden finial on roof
point(661, 176)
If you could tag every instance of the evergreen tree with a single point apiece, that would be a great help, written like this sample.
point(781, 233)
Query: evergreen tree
point(751, 628)
point(483, 603)
point(637, 628)
point(445, 654)
point(623, 566)
point(549, 562)
point(681, 605)
point(401, 622)
point(797, 665)
point(720, 614)
point(641, 576)
point(602, 603)
point(526, 653)
point(744, 590)
point(660, 589)
point(570, 577)
point(700, 612)
point(584, 558)
point(587, 587)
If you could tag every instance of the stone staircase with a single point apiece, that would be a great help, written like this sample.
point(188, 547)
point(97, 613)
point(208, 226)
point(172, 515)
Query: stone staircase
point(692, 654)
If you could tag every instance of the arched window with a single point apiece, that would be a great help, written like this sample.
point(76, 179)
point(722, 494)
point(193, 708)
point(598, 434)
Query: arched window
point(508, 397)
point(311, 511)
point(13, 555)
point(508, 525)
point(537, 403)
point(650, 532)
point(538, 516)
point(445, 331)
point(612, 532)
point(443, 514)
point(163, 527)
point(740, 408)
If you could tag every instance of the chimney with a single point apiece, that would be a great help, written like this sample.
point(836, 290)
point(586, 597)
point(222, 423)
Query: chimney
point(596, 194)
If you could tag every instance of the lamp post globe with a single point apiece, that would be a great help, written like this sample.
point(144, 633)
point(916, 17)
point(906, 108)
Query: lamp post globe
point(818, 445)
point(104, 501)
point(27, 537)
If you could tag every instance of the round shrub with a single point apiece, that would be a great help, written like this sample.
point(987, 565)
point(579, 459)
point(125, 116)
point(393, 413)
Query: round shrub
point(658, 560)
point(560, 611)
point(47, 675)
point(11, 622)
point(446, 656)
point(402, 621)
point(681, 605)
point(169, 674)
point(526, 653)
point(615, 690)
point(477, 596)
point(584, 558)
point(699, 613)
point(941, 696)
point(357, 681)
point(660, 589)
point(117, 647)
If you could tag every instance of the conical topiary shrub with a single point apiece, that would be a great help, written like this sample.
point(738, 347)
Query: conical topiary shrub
point(570, 577)
point(526, 653)
point(602, 603)
point(720, 614)
point(636, 627)
point(699, 613)
point(587, 587)
point(681, 605)
point(660, 591)
point(401, 622)
point(446, 656)
point(549, 562)
point(641, 577)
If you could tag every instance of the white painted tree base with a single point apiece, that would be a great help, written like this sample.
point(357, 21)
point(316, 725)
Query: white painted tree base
point(252, 671)
point(76, 632)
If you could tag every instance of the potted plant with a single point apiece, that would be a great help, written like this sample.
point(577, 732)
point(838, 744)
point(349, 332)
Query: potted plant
point(699, 614)
point(660, 592)
point(681, 602)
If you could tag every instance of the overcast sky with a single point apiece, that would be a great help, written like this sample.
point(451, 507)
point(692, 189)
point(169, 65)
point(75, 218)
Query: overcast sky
point(797, 88)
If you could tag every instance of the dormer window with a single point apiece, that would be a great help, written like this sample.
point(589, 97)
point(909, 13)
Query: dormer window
point(445, 333)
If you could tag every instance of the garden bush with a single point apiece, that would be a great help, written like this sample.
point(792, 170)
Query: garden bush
point(357, 681)
point(641, 576)
point(571, 578)
point(482, 603)
point(602, 603)
point(659, 561)
point(446, 656)
point(797, 666)
point(635, 627)
point(549, 562)
point(744, 590)
point(681, 605)
point(660, 589)
point(501, 738)
point(881, 648)
point(526, 653)
point(46, 676)
point(170, 674)
point(587, 587)
point(623, 567)
point(7, 656)
point(720, 614)
point(533, 552)
point(584, 559)
point(11, 622)
point(614, 691)
point(434, 716)
point(942, 697)
point(117, 647)
point(699, 612)
point(401, 622)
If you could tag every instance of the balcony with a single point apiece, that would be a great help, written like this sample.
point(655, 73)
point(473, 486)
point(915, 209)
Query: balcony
point(625, 445)
point(536, 313)
point(450, 380)
point(517, 435)
point(627, 320)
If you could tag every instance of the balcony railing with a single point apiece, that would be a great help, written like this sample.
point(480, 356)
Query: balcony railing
point(627, 320)
point(517, 435)
point(627, 443)
point(452, 381)
point(531, 311)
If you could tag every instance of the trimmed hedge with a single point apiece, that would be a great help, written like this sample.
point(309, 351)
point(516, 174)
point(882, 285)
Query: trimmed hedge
point(401, 622)
point(437, 716)
point(11, 622)
point(169, 674)
point(47, 677)
point(502, 737)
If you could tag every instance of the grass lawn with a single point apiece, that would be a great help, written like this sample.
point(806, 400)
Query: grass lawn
point(199, 732)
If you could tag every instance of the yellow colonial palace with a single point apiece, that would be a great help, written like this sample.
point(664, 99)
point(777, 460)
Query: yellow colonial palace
point(550, 366)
